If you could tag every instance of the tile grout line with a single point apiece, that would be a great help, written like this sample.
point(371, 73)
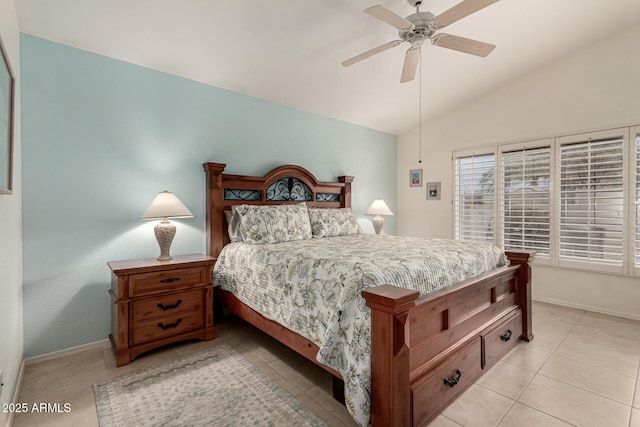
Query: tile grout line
point(568, 356)
point(554, 352)
point(636, 392)
point(586, 363)
point(546, 413)
point(456, 423)
point(593, 365)
point(536, 373)
point(513, 403)
point(585, 390)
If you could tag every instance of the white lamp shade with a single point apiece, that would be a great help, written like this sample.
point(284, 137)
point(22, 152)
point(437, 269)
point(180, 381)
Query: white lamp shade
point(378, 207)
point(166, 205)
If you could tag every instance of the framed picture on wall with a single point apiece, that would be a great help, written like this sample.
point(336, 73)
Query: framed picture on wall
point(433, 190)
point(7, 88)
point(415, 178)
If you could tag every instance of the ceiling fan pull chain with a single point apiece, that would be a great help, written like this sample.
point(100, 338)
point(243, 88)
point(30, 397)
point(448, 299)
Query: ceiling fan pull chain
point(420, 111)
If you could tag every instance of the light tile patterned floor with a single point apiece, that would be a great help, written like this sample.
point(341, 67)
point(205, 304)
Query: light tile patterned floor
point(581, 369)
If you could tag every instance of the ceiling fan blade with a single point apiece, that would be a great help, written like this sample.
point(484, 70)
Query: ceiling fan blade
point(410, 64)
point(459, 11)
point(371, 52)
point(462, 44)
point(389, 17)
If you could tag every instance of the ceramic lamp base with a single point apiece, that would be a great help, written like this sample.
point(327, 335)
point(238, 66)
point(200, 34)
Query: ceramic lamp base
point(164, 234)
point(378, 222)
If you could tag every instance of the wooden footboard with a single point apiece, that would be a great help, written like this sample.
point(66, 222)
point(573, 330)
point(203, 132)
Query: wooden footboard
point(425, 351)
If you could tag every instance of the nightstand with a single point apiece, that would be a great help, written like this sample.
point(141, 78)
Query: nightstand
point(155, 303)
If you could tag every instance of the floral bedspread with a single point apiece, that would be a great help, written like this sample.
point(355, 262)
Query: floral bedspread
point(313, 288)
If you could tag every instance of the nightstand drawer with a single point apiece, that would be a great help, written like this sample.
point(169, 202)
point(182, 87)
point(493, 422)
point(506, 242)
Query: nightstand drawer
point(161, 327)
point(150, 308)
point(151, 283)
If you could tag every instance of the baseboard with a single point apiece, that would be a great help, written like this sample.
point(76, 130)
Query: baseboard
point(67, 351)
point(16, 394)
point(587, 308)
point(42, 358)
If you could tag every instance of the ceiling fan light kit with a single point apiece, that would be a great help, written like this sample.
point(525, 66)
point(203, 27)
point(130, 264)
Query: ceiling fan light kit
point(421, 26)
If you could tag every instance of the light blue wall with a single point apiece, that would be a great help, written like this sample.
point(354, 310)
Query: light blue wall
point(101, 137)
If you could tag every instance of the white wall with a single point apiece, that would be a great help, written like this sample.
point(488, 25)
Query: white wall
point(596, 88)
point(11, 231)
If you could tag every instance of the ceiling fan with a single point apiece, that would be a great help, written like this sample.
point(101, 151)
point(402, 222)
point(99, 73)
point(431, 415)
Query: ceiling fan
point(422, 26)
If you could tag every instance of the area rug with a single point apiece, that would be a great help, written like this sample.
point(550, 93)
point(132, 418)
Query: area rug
point(215, 387)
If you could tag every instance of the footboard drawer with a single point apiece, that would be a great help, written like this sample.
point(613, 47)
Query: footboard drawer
point(498, 340)
point(445, 381)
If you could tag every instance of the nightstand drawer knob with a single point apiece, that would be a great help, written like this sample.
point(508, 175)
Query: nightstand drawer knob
point(169, 325)
point(170, 280)
point(170, 306)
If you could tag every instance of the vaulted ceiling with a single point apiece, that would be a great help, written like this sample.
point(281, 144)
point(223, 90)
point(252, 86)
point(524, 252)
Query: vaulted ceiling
point(289, 51)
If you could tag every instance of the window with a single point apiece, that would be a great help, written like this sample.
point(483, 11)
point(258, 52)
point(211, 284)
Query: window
point(474, 198)
point(525, 207)
point(591, 202)
point(574, 200)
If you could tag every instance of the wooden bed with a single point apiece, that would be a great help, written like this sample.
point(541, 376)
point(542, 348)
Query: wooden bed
point(424, 350)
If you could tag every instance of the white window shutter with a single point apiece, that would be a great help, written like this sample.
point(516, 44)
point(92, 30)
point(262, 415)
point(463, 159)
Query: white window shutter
point(474, 198)
point(591, 202)
point(525, 203)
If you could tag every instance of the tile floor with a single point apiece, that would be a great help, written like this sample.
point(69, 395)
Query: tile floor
point(581, 369)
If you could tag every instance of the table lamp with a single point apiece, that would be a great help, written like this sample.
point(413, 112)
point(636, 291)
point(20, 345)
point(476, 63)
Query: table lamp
point(166, 205)
point(377, 208)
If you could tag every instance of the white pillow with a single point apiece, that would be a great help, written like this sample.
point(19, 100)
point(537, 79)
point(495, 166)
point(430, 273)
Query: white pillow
point(233, 225)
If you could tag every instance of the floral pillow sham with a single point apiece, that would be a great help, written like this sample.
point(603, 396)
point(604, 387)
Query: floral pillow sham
point(333, 222)
point(272, 223)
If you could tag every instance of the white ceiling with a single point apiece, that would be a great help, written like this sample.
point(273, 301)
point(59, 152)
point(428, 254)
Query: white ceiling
point(289, 51)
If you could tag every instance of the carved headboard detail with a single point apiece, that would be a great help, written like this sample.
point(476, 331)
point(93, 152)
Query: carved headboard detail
point(283, 185)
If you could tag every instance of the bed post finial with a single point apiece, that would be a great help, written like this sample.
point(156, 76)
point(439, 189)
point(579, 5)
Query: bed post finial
point(214, 202)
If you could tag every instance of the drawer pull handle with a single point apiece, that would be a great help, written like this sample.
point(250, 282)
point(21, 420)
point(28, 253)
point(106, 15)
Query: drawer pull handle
point(170, 325)
point(170, 307)
point(506, 336)
point(170, 280)
point(454, 381)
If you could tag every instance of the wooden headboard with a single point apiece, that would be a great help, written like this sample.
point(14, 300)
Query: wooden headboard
point(286, 184)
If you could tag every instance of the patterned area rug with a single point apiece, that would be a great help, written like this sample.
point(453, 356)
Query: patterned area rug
point(216, 387)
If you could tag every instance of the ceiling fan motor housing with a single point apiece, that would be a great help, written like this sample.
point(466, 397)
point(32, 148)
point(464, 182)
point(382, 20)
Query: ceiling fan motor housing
point(423, 28)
